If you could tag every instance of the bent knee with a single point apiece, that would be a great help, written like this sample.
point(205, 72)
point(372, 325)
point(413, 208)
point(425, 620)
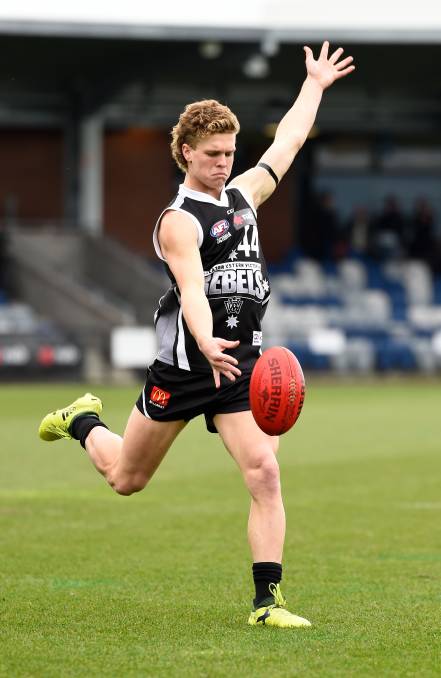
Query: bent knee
point(264, 474)
point(129, 484)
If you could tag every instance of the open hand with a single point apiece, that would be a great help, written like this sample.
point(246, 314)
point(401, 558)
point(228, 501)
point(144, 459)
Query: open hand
point(327, 70)
point(213, 349)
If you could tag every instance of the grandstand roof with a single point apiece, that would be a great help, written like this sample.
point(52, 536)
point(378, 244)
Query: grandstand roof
point(145, 60)
point(284, 20)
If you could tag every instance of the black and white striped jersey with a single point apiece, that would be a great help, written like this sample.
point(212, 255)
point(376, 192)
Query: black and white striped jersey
point(236, 279)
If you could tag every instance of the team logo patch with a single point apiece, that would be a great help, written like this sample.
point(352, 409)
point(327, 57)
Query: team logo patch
point(243, 218)
point(159, 397)
point(233, 305)
point(219, 228)
point(257, 338)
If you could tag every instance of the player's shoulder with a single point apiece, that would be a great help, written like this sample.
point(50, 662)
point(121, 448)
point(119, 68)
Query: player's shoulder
point(257, 184)
point(177, 222)
point(240, 194)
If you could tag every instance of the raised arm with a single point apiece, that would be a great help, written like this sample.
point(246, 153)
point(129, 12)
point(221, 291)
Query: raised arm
point(295, 126)
point(178, 241)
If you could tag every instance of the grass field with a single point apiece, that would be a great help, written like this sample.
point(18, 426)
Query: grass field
point(158, 584)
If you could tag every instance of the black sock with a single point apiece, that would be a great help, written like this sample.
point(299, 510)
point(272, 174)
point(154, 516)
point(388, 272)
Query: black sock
point(265, 574)
point(82, 426)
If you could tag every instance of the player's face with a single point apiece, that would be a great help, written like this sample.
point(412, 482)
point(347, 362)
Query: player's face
point(211, 162)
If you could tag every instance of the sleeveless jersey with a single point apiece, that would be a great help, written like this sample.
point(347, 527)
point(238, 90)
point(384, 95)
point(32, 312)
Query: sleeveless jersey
point(236, 280)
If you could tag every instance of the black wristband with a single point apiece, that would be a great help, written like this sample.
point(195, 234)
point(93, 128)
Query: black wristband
point(269, 170)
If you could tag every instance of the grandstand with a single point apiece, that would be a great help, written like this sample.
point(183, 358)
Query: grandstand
point(87, 104)
point(357, 315)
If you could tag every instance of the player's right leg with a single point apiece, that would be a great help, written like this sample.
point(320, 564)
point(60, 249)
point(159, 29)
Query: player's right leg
point(126, 462)
point(129, 462)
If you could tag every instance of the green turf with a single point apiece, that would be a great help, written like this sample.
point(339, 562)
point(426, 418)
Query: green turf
point(158, 584)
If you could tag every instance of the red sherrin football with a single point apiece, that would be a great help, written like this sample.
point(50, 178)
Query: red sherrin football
point(277, 390)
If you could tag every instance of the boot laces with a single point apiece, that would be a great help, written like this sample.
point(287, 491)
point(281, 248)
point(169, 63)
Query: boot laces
point(279, 600)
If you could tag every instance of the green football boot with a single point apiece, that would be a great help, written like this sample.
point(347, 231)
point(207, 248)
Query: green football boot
point(57, 424)
point(276, 613)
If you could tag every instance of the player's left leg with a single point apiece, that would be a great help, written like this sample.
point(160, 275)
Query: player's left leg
point(255, 454)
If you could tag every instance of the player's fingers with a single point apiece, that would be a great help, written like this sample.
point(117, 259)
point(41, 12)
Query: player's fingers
point(341, 74)
point(324, 50)
point(344, 63)
point(229, 375)
point(216, 376)
point(336, 55)
point(226, 370)
point(226, 343)
point(224, 357)
point(229, 367)
point(235, 370)
point(308, 52)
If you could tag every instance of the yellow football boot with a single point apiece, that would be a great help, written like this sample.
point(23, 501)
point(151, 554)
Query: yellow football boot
point(57, 424)
point(276, 614)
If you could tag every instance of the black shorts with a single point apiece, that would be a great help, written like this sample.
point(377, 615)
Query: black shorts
point(172, 394)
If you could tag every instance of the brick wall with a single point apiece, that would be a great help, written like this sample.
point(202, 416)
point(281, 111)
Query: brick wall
point(31, 174)
point(138, 184)
point(276, 220)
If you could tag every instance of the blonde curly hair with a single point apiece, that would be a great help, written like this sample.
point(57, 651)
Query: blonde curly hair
point(197, 121)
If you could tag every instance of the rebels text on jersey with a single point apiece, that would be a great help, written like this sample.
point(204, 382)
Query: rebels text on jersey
point(236, 279)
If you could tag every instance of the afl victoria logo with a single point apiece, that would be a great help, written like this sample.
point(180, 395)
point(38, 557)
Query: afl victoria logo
point(219, 228)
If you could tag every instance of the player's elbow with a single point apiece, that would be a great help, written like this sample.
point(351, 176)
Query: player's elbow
point(296, 143)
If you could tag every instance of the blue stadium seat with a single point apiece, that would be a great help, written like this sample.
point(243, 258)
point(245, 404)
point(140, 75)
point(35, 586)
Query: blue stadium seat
point(393, 355)
point(308, 359)
point(372, 304)
point(311, 301)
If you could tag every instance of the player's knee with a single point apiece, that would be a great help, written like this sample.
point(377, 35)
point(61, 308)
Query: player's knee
point(263, 476)
point(129, 485)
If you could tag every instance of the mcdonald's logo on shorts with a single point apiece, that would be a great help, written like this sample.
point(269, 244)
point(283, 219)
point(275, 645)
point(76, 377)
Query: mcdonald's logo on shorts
point(159, 397)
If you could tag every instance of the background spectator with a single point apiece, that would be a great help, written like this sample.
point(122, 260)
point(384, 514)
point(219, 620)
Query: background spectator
point(359, 230)
point(390, 227)
point(422, 237)
point(325, 238)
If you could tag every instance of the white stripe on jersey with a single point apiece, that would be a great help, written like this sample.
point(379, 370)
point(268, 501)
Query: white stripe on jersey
point(176, 207)
point(204, 197)
point(180, 349)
